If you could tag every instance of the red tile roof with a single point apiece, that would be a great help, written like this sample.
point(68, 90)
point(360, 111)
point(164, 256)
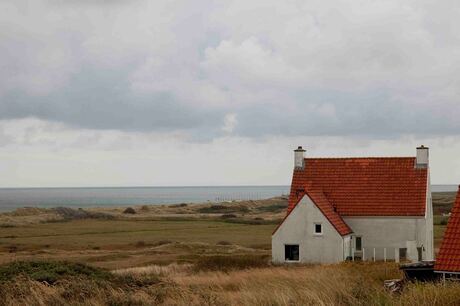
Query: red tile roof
point(376, 186)
point(328, 210)
point(448, 259)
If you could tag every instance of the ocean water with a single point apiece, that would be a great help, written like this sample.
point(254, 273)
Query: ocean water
point(12, 198)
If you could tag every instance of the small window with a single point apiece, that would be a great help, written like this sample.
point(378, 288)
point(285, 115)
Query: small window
point(291, 252)
point(318, 229)
point(358, 243)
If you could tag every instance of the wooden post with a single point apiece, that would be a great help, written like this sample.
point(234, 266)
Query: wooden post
point(385, 254)
point(396, 255)
point(374, 254)
point(353, 254)
point(364, 258)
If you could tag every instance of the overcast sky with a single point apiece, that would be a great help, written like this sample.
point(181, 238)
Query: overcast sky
point(123, 93)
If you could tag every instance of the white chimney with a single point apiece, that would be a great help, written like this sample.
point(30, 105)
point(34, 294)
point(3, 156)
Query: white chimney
point(421, 160)
point(299, 163)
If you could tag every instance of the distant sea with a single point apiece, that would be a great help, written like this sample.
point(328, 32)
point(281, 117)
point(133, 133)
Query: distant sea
point(12, 198)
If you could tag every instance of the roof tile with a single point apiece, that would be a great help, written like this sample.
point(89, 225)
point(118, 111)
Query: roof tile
point(375, 186)
point(448, 259)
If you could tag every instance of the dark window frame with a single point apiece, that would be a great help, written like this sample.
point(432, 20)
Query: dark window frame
point(360, 239)
point(316, 227)
point(291, 252)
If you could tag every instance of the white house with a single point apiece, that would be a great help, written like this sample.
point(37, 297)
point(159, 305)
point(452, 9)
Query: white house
point(342, 208)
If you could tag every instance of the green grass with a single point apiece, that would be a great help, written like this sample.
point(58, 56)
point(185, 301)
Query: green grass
point(80, 234)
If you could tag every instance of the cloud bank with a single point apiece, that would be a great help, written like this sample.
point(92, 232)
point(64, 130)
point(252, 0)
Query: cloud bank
point(218, 92)
point(291, 68)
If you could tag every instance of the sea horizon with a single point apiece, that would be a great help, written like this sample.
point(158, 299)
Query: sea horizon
point(12, 198)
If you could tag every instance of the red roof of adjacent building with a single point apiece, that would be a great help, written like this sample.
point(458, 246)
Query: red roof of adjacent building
point(448, 259)
point(374, 186)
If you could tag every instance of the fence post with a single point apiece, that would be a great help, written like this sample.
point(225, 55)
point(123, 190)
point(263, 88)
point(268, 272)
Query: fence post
point(353, 254)
point(374, 254)
point(396, 255)
point(385, 254)
point(364, 257)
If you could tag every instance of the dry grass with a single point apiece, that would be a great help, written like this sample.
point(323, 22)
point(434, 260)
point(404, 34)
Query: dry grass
point(159, 257)
point(343, 284)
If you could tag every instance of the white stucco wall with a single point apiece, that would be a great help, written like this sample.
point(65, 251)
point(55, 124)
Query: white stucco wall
point(298, 228)
point(389, 233)
point(429, 244)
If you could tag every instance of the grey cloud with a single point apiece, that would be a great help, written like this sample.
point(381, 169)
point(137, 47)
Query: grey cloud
point(307, 69)
point(98, 99)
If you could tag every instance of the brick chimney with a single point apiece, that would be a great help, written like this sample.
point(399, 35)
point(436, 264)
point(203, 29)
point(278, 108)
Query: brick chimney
point(299, 162)
point(422, 159)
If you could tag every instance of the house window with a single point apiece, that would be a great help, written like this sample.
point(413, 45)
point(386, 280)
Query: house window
point(318, 229)
point(358, 243)
point(291, 252)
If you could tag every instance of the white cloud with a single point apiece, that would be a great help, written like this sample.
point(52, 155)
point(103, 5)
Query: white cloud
point(259, 76)
point(230, 122)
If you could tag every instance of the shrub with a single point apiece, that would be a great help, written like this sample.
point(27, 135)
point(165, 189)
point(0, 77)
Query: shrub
point(273, 208)
point(129, 210)
point(140, 244)
point(229, 263)
point(224, 242)
point(145, 208)
point(228, 216)
point(223, 209)
point(51, 271)
point(179, 205)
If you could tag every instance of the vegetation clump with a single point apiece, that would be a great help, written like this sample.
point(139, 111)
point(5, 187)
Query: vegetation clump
point(51, 271)
point(229, 263)
point(228, 216)
point(216, 209)
point(130, 211)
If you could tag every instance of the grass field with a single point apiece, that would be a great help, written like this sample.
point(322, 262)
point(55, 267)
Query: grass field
point(213, 254)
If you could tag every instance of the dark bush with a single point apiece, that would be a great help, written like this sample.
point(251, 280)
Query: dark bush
point(223, 209)
point(224, 242)
point(228, 216)
point(179, 205)
point(129, 210)
point(254, 221)
point(229, 263)
point(162, 242)
point(273, 208)
point(140, 244)
point(75, 214)
point(51, 271)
